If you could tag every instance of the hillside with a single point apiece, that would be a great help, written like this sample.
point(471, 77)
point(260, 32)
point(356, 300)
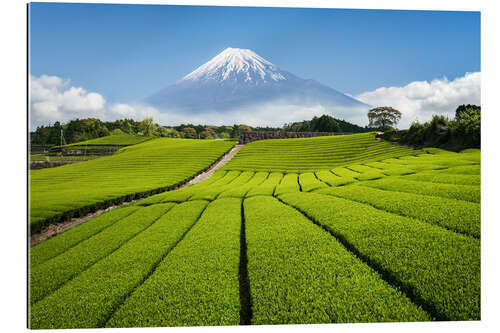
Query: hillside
point(312, 154)
point(134, 171)
point(361, 235)
point(118, 139)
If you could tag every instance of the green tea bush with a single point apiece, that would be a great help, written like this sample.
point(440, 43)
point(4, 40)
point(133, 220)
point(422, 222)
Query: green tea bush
point(241, 190)
point(439, 269)
point(52, 274)
point(90, 298)
point(445, 178)
point(343, 229)
point(66, 240)
point(470, 193)
point(197, 282)
point(289, 183)
point(299, 274)
point(456, 215)
point(309, 182)
point(313, 154)
point(133, 172)
point(268, 186)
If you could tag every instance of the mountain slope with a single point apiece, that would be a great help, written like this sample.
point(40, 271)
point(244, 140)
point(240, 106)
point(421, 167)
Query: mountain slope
point(238, 78)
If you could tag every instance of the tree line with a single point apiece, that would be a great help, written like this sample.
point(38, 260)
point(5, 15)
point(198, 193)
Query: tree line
point(463, 131)
point(325, 123)
point(85, 129)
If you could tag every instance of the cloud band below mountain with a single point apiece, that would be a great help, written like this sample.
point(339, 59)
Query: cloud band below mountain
point(55, 99)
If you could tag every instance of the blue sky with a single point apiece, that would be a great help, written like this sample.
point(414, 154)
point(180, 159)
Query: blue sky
point(127, 52)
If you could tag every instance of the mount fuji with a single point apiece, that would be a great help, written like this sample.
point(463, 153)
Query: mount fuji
point(239, 79)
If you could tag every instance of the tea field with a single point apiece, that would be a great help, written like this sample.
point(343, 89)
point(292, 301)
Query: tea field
point(341, 229)
point(134, 171)
point(117, 139)
point(45, 157)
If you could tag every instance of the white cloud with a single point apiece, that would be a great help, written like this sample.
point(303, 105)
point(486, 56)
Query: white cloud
point(420, 100)
point(135, 111)
point(54, 99)
point(272, 114)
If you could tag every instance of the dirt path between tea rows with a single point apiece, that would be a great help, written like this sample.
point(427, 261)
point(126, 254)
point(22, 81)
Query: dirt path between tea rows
point(55, 229)
point(207, 174)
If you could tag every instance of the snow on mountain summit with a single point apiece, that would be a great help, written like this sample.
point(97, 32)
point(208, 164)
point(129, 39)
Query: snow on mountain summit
point(240, 79)
point(235, 64)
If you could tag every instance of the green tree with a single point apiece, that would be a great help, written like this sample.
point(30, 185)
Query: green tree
point(325, 123)
point(224, 129)
point(238, 129)
point(127, 127)
point(234, 132)
point(463, 109)
point(172, 133)
point(116, 131)
point(161, 131)
point(147, 126)
point(244, 128)
point(468, 126)
point(208, 133)
point(55, 133)
point(383, 117)
point(167, 132)
point(224, 135)
point(189, 133)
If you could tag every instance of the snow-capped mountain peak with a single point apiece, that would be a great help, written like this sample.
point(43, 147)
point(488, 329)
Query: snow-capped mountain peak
point(240, 79)
point(235, 64)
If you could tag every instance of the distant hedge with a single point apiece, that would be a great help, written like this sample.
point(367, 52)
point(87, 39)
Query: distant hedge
point(464, 131)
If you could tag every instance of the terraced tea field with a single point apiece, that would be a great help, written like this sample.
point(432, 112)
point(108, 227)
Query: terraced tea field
point(87, 150)
point(118, 139)
point(40, 157)
point(386, 233)
point(134, 171)
point(313, 154)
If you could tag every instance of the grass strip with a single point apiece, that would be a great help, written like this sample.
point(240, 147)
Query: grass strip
point(299, 274)
point(438, 269)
